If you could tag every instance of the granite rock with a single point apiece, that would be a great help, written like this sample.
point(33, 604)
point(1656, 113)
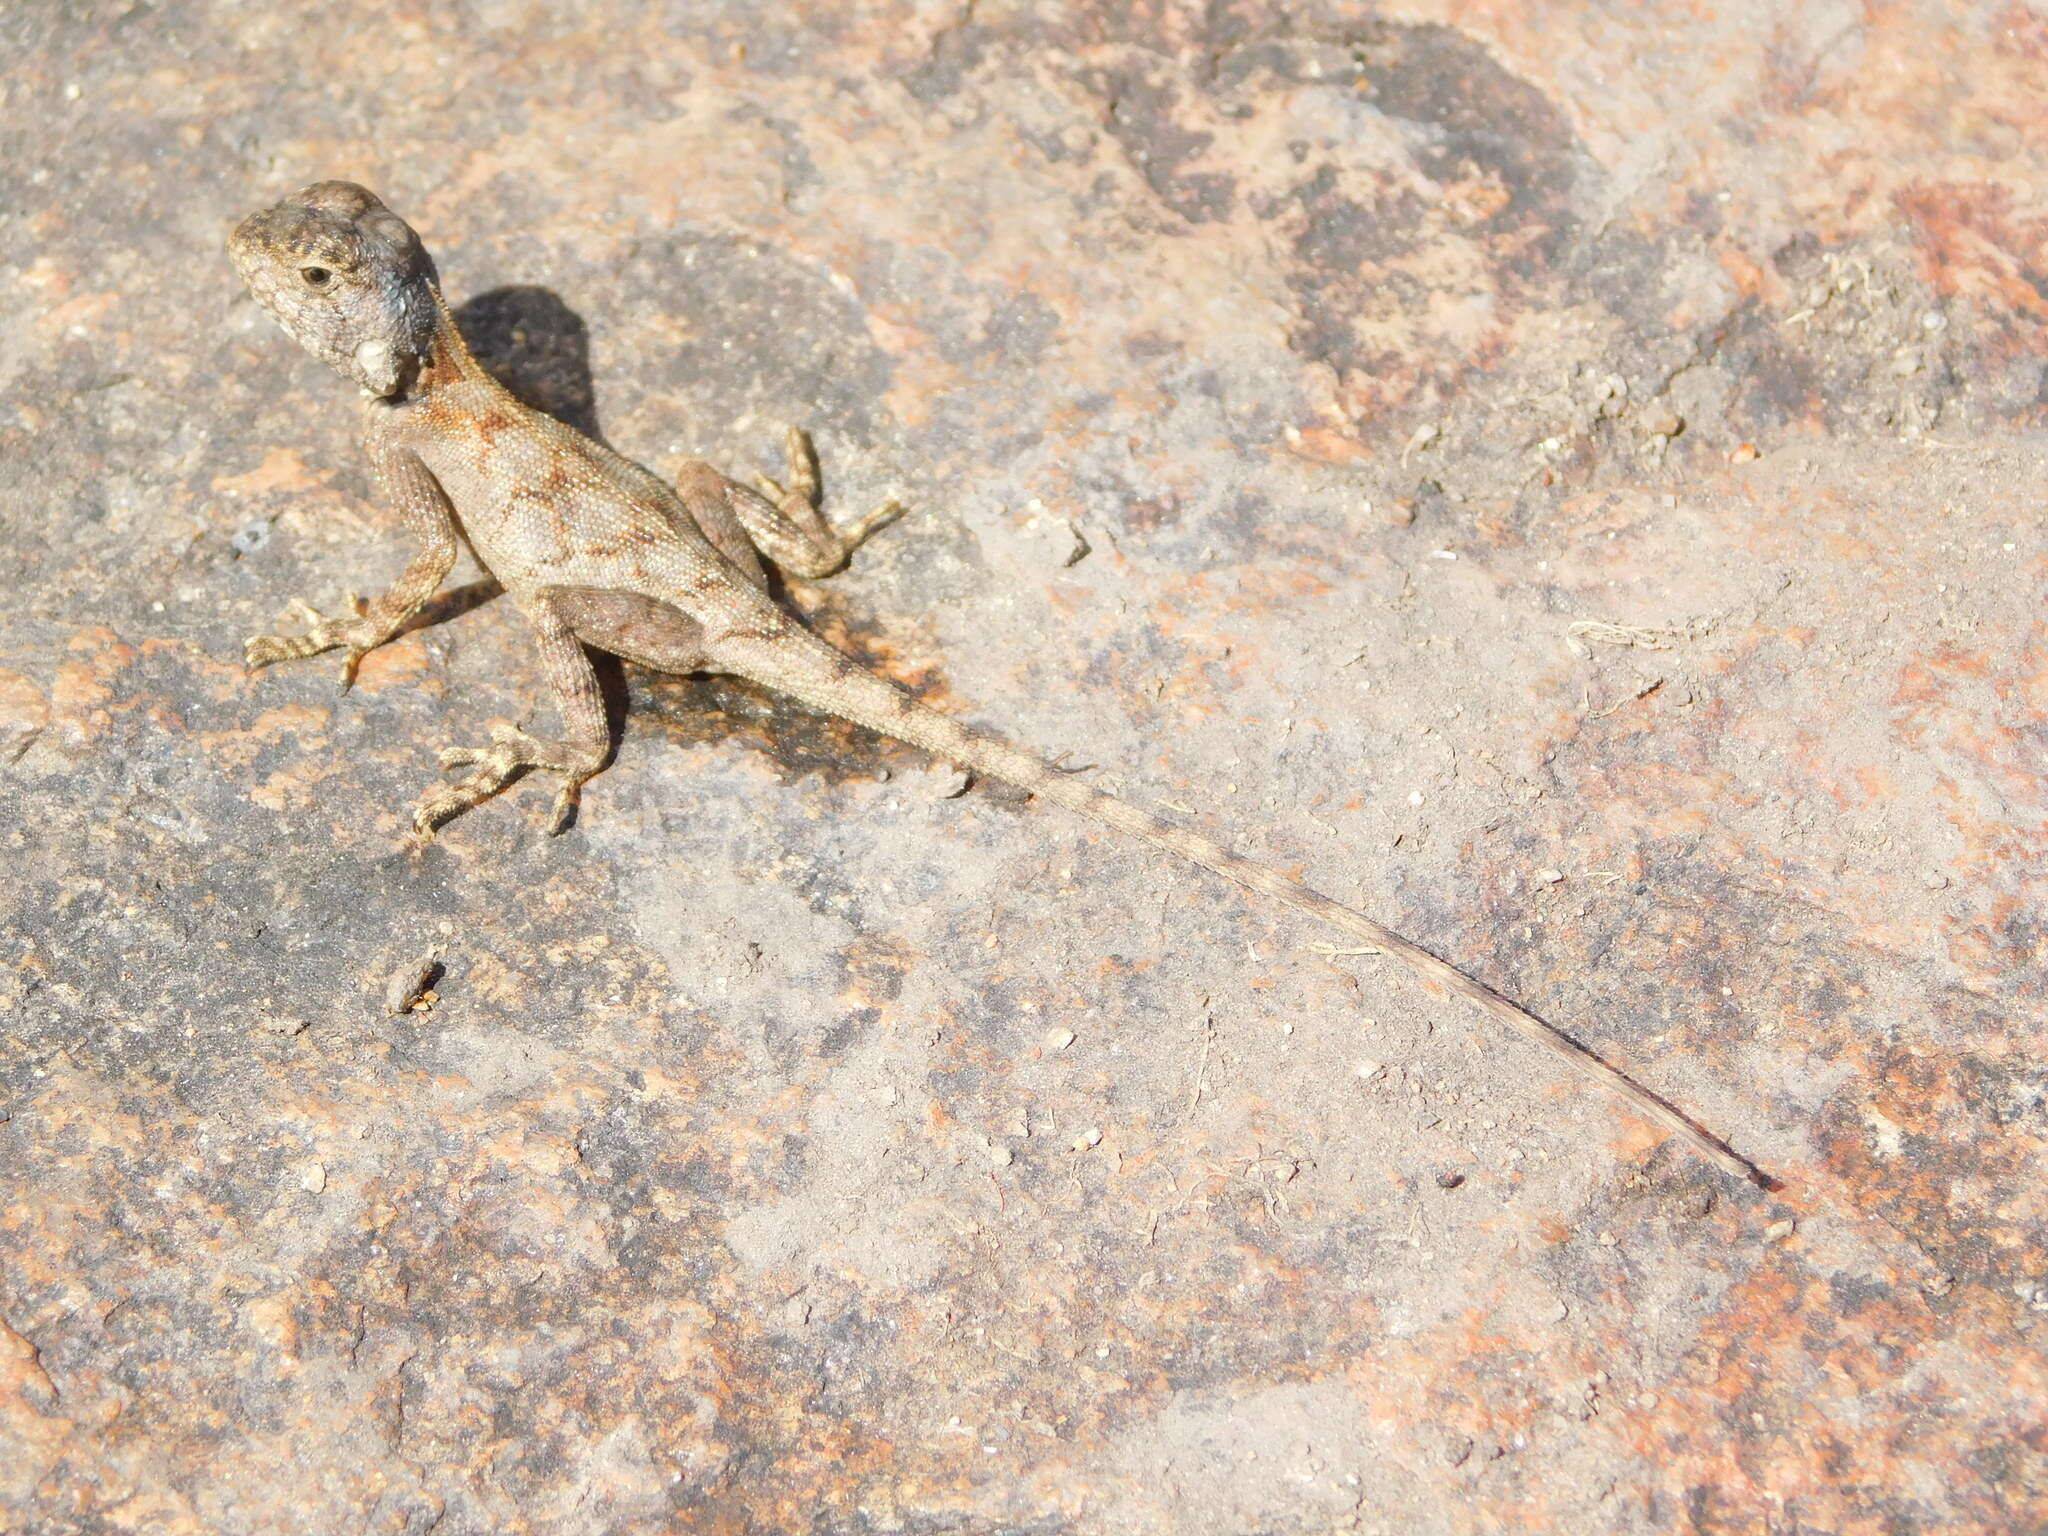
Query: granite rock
point(1563, 476)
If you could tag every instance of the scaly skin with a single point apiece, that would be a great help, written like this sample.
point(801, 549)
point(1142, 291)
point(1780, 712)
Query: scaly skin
point(597, 552)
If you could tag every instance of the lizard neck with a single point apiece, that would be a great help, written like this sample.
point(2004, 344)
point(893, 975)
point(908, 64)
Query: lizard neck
point(447, 359)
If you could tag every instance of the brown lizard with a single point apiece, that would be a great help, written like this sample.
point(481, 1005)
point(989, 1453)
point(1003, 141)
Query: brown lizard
point(596, 551)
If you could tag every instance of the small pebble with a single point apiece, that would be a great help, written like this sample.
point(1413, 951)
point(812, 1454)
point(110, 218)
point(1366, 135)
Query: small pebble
point(1081, 550)
point(1744, 454)
point(1778, 1231)
point(1549, 876)
point(313, 1178)
point(410, 983)
point(1091, 1137)
point(1059, 1039)
point(1450, 1178)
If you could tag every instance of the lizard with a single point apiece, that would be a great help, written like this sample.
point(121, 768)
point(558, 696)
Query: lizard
point(598, 552)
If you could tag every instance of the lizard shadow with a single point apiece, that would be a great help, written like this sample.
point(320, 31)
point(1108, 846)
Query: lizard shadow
point(535, 345)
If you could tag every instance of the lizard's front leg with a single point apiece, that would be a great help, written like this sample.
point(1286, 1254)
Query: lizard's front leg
point(581, 752)
point(419, 500)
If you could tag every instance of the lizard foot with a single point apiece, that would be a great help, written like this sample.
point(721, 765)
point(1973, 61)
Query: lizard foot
point(511, 753)
point(803, 485)
point(322, 634)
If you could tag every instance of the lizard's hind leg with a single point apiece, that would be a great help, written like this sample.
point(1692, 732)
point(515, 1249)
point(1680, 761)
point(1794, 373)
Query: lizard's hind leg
point(581, 752)
point(708, 497)
point(785, 524)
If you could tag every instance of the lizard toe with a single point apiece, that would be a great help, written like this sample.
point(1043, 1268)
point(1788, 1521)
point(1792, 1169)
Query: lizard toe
point(266, 650)
point(349, 666)
point(445, 804)
point(510, 749)
point(567, 802)
point(887, 513)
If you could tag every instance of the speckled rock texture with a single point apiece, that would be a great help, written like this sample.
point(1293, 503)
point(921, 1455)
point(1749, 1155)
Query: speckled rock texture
point(1566, 476)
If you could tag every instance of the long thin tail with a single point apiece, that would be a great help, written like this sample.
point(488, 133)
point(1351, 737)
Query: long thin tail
point(808, 669)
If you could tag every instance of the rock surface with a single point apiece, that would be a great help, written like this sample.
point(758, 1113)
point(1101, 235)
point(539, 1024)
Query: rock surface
point(1565, 477)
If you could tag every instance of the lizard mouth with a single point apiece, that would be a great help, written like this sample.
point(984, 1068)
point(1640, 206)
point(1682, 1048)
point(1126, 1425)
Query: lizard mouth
point(254, 272)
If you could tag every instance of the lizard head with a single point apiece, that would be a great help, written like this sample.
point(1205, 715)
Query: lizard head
point(346, 277)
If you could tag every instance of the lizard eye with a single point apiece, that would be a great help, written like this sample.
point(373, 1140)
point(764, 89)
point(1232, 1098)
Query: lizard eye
point(316, 277)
